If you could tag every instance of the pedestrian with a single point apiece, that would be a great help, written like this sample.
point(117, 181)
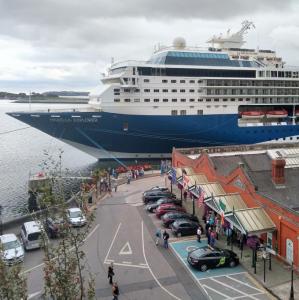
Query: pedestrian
point(207, 227)
point(110, 273)
point(198, 233)
point(115, 291)
point(212, 238)
point(165, 238)
point(208, 234)
point(115, 187)
point(158, 236)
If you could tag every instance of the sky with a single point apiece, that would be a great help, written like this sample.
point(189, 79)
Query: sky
point(66, 44)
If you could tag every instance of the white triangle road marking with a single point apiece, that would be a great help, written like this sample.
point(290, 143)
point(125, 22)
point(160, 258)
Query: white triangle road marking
point(126, 249)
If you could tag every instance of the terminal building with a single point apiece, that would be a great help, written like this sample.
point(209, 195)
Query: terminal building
point(254, 187)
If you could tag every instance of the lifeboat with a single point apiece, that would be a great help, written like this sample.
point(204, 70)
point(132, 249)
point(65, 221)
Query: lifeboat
point(282, 113)
point(297, 113)
point(253, 114)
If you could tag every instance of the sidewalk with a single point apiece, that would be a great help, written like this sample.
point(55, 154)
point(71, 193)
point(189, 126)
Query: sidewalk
point(278, 280)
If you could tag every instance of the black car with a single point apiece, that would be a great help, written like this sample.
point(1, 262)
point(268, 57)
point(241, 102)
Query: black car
point(184, 227)
point(207, 257)
point(170, 217)
point(152, 206)
point(156, 195)
point(53, 226)
point(158, 188)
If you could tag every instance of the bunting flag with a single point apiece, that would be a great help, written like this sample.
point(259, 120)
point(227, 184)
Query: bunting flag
point(185, 181)
point(222, 218)
point(201, 196)
point(173, 175)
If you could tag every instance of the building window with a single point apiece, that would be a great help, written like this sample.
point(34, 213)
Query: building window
point(216, 100)
point(127, 100)
point(191, 91)
point(174, 112)
point(232, 99)
point(116, 93)
point(137, 90)
point(156, 91)
point(200, 100)
point(208, 100)
point(183, 100)
point(164, 81)
point(224, 100)
point(127, 90)
point(165, 100)
point(173, 81)
point(200, 112)
point(136, 100)
point(183, 112)
point(182, 81)
point(174, 100)
point(146, 100)
point(182, 91)
point(192, 81)
point(191, 100)
point(116, 90)
point(165, 91)
point(116, 100)
point(156, 100)
point(199, 81)
point(146, 90)
point(174, 91)
point(146, 80)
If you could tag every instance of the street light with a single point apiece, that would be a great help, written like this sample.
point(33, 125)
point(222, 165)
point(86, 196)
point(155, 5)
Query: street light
point(292, 284)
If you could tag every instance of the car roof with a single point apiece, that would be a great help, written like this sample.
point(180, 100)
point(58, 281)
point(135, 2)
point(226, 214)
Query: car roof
point(180, 221)
point(73, 209)
point(9, 237)
point(32, 226)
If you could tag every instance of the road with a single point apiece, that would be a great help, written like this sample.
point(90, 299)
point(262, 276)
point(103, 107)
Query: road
point(123, 233)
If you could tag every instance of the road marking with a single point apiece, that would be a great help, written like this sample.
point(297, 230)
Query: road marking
point(127, 265)
point(155, 278)
point(215, 291)
point(91, 233)
point(228, 286)
point(244, 283)
point(142, 264)
point(112, 242)
point(31, 269)
point(191, 248)
point(127, 262)
point(240, 297)
point(216, 276)
point(126, 249)
point(30, 296)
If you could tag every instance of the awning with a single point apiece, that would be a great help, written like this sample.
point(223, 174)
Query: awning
point(212, 189)
point(251, 220)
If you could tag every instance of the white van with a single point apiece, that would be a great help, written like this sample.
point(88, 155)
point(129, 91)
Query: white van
point(31, 235)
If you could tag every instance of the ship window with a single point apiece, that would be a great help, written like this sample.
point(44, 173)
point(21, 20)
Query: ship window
point(233, 99)
point(224, 105)
point(200, 112)
point(116, 100)
point(116, 94)
point(200, 100)
point(247, 99)
point(137, 90)
point(127, 100)
point(174, 91)
point(173, 81)
point(191, 91)
point(191, 106)
point(192, 81)
point(183, 100)
point(136, 100)
point(182, 81)
point(164, 81)
point(174, 100)
point(127, 90)
point(116, 90)
point(156, 91)
point(156, 100)
point(146, 100)
point(146, 80)
point(182, 91)
point(174, 112)
point(125, 126)
point(240, 99)
point(165, 100)
point(146, 90)
point(216, 100)
point(208, 100)
point(224, 100)
point(183, 112)
point(165, 91)
point(191, 100)
point(199, 81)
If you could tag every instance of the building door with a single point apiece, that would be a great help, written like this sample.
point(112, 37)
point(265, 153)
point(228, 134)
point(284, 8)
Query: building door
point(290, 250)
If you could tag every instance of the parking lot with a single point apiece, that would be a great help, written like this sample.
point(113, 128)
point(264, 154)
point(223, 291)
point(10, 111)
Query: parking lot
point(221, 283)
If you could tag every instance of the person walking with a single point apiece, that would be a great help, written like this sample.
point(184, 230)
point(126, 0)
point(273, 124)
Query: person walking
point(110, 273)
point(212, 238)
point(115, 291)
point(158, 236)
point(198, 233)
point(165, 238)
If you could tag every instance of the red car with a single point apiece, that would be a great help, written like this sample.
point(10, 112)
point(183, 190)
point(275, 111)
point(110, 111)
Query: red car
point(168, 207)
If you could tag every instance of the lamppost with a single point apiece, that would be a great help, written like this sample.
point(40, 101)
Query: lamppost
point(292, 284)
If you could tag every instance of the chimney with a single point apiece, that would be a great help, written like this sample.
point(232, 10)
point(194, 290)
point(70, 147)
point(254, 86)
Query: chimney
point(278, 171)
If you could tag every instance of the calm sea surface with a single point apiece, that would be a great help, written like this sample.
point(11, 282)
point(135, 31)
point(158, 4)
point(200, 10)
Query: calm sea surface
point(22, 152)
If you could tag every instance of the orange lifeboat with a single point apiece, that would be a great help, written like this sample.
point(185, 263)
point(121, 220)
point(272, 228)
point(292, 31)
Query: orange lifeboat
point(282, 113)
point(252, 114)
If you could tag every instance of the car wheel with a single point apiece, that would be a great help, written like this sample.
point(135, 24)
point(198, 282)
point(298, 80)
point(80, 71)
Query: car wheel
point(179, 234)
point(203, 268)
point(232, 264)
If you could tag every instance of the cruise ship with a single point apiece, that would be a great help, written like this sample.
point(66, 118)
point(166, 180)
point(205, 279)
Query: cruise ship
point(183, 97)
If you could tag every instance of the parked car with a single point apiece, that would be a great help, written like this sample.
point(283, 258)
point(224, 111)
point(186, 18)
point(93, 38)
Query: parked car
point(158, 188)
point(154, 205)
point(170, 217)
point(53, 226)
point(31, 235)
point(12, 251)
point(207, 258)
point(75, 217)
point(156, 195)
point(184, 227)
point(168, 207)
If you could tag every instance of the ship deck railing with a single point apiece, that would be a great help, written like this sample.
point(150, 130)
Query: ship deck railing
point(54, 111)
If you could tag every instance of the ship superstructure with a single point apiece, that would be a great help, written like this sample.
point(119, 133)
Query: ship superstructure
point(183, 97)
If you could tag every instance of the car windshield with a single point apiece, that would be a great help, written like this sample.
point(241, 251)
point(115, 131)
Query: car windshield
point(75, 214)
point(34, 236)
point(11, 245)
